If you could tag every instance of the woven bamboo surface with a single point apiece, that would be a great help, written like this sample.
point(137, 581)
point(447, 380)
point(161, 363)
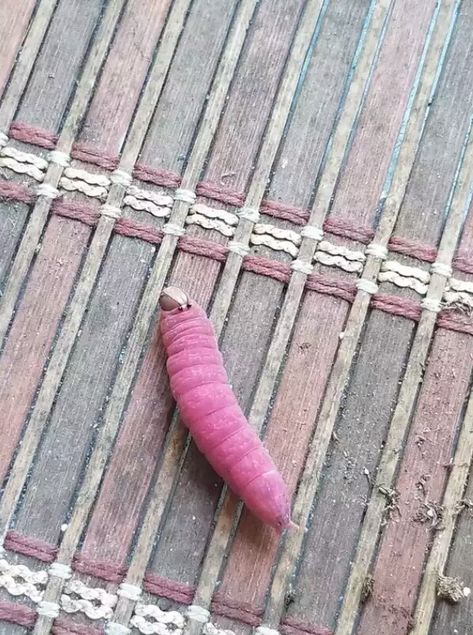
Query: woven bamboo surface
point(304, 170)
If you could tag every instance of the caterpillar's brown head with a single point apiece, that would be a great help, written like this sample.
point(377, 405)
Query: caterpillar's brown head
point(173, 298)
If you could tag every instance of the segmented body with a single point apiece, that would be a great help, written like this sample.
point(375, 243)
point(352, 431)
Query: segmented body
point(210, 410)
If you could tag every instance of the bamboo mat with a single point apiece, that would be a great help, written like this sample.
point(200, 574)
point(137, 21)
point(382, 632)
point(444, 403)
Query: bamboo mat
point(304, 170)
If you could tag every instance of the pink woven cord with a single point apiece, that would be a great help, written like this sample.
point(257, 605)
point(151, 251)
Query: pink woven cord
point(337, 225)
point(266, 267)
point(184, 594)
point(176, 591)
point(99, 569)
point(33, 135)
point(396, 305)
point(64, 626)
point(201, 247)
point(463, 262)
point(76, 211)
point(455, 321)
point(220, 193)
point(17, 614)
point(11, 191)
point(88, 154)
point(412, 248)
point(232, 609)
point(164, 178)
point(135, 229)
point(293, 214)
point(293, 626)
point(263, 266)
point(331, 286)
point(29, 546)
point(340, 226)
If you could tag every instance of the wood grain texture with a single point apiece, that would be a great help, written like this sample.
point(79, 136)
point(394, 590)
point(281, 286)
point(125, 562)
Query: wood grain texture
point(241, 95)
point(76, 111)
point(406, 404)
point(105, 437)
point(228, 282)
point(290, 427)
point(434, 169)
point(213, 263)
point(448, 617)
point(421, 481)
point(36, 320)
point(433, 172)
point(7, 628)
point(123, 75)
point(251, 95)
point(165, 478)
point(317, 105)
point(243, 345)
point(378, 127)
point(14, 19)
point(78, 405)
point(23, 603)
point(132, 464)
point(13, 217)
point(454, 501)
point(55, 72)
point(131, 353)
point(137, 450)
point(350, 466)
point(465, 244)
point(122, 487)
point(277, 598)
point(320, 442)
point(24, 63)
point(189, 80)
point(425, 205)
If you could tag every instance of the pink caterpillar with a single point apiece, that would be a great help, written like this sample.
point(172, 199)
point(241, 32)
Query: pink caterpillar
point(208, 407)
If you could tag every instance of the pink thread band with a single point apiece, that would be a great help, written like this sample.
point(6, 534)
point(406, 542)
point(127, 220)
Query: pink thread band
point(336, 225)
point(99, 569)
point(220, 193)
point(341, 226)
point(463, 262)
point(153, 583)
point(75, 211)
point(455, 322)
point(33, 135)
point(169, 589)
point(412, 248)
point(135, 229)
point(29, 546)
point(293, 626)
point(240, 611)
point(201, 247)
point(266, 267)
point(17, 614)
point(332, 286)
point(163, 178)
point(346, 290)
point(64, 626)
point(293, 214)
point(397, 305)
point(11, 191)
point(88, 154)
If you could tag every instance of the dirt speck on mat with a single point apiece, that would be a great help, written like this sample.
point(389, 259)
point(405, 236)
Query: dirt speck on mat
point(451, 589)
